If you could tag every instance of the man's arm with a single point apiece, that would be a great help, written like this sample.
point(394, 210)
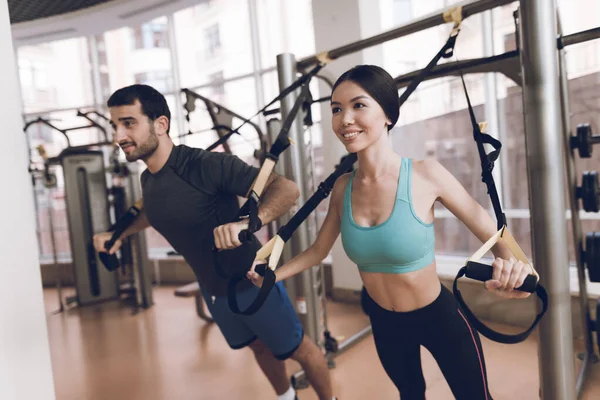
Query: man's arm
point(279, 196)
point(139, 224)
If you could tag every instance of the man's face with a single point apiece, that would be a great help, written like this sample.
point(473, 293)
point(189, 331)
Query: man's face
point(134, 131)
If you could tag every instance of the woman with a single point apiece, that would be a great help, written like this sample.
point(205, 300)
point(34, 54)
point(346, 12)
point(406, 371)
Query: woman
point(384, 211)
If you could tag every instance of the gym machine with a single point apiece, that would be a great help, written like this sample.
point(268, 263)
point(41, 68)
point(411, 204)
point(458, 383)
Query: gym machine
point(90, 204)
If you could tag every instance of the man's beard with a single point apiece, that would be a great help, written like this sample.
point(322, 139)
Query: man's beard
point(145, 150)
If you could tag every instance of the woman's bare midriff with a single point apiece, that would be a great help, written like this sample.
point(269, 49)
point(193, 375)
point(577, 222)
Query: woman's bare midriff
point(403, 292)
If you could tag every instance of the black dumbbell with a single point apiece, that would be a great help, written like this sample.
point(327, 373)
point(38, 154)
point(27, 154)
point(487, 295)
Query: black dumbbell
point(584, 140)
point(589, 191)
point(591, 255)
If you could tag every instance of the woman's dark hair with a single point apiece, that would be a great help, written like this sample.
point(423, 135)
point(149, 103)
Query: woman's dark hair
point(380, 86)
point(153, 103)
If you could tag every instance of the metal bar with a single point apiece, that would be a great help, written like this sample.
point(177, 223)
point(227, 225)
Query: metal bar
point(581, 37)
point(300, 241)
point(432, 20)
point(96, 82)
point(568, 40)
point(571, 174)
point(545, 168)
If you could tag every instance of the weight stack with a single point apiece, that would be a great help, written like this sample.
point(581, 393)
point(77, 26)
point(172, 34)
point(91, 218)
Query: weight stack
point(87, 214)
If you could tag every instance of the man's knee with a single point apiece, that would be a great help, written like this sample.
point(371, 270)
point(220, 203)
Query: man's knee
point(306, 351)
point(258, 347)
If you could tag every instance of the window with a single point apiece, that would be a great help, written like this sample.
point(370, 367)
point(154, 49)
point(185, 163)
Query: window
point(402, 11)
point(212, 41)
point(48, 82)
point(151, 35)
point(159, 80)
point(219, 87)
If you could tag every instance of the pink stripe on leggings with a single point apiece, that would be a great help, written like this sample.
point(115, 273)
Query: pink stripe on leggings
point(478, 354)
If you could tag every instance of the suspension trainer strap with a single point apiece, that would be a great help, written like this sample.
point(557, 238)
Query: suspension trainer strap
point(483, 272)
point(110, 261)
point(274, 247)
point(234, 264)
point(445, 52)
point(302, 81)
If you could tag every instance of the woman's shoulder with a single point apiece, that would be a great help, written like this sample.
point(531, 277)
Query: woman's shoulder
point(429, 169)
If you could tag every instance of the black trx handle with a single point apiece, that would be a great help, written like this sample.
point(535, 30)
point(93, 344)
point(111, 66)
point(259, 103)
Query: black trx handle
point(484, 272)
point(110, 261)
point(274, 246)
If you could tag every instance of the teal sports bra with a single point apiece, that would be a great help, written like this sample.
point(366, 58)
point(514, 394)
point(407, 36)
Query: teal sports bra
point(403, 243)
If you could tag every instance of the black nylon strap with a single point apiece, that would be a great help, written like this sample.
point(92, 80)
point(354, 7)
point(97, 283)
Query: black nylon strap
point(325, 188)
point(285, 232)
point(487, 165)
point(487, 160)
point(263, 293)
point(111, 261)
point(304, 79)
point(490, 333)
point(250, 207)
point(445, 52)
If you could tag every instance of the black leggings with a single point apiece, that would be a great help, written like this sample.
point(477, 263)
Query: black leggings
point(441, 328)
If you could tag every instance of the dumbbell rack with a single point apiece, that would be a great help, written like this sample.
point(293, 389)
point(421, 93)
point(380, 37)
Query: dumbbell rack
point(589, 195)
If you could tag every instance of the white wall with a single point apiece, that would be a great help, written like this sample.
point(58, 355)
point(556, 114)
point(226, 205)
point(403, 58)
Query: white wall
point(25, 369)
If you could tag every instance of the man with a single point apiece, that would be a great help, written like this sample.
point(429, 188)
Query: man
point(191, 197)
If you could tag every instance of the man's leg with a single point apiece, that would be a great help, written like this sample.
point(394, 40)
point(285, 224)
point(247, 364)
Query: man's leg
point(313, 362)
point(278, 327)
point(273, 368)
point(238, 335)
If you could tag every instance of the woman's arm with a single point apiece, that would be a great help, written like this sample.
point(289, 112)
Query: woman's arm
point(508, 273)
point(460, 203)
point(330, 229)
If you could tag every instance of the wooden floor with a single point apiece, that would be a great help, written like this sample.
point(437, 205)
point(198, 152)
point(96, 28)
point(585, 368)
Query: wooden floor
point(167, 353)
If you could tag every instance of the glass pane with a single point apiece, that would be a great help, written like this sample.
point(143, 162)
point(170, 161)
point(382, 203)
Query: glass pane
point(285, 26)
point(50, 82)
point(137, 54)
point(213, 42)
point(227, 96)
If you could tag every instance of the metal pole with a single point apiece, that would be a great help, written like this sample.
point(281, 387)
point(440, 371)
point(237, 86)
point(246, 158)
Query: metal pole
point(468, 8)
point(256, 54)
point(586, 320)
point(96, 85)
point(307, 306)
point(544, 143)
point(175, 73)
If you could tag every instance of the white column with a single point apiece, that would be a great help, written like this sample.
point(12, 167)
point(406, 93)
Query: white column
point(25, 369)
point(336, 23)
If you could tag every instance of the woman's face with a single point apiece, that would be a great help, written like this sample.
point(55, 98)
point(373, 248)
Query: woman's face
point(357, 119)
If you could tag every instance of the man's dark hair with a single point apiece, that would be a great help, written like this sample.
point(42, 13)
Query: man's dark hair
point(153, 103)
